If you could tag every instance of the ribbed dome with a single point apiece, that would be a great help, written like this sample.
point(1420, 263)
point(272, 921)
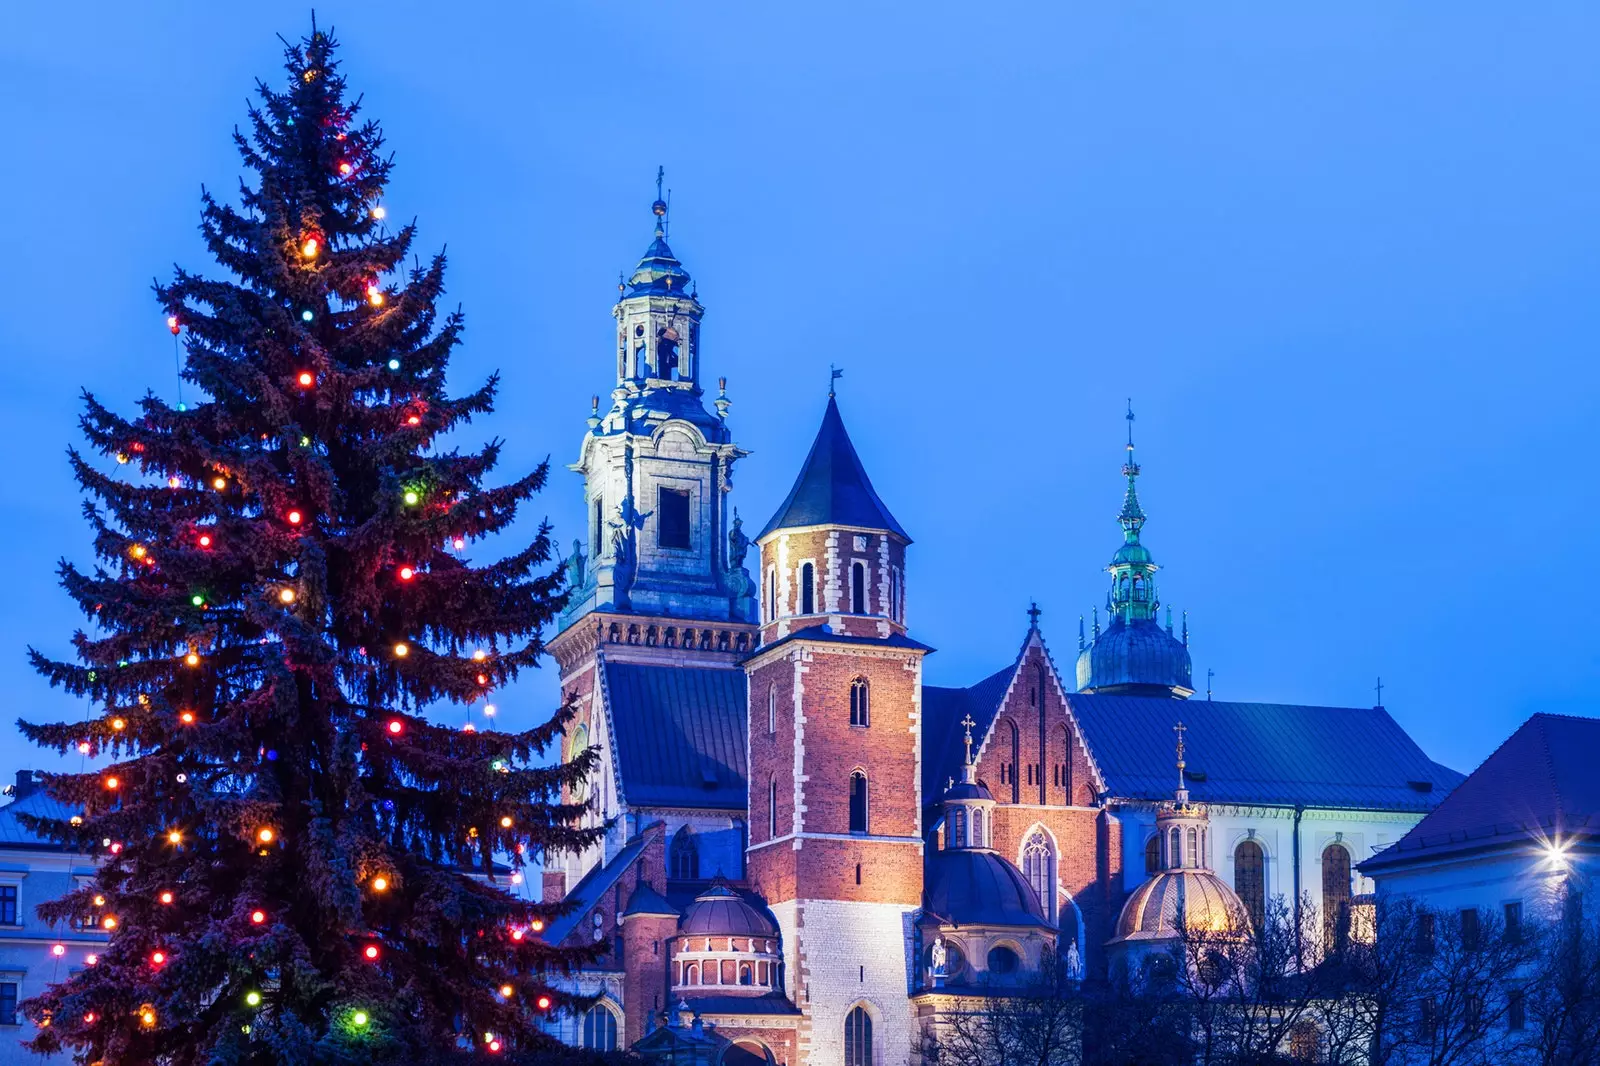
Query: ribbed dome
point(970, 887)
point(659, 272)
point(719, 911)
point(965, 790)
point(1199, 896)
point(1136, 657)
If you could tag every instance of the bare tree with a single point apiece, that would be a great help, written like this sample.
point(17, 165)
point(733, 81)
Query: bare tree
point(1560, 1004)
point(1035, 1022)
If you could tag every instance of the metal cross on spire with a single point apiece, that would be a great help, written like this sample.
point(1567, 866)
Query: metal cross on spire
point(1379, 689)
point(1180, 729)
point(967, 723)
point(1033, 614)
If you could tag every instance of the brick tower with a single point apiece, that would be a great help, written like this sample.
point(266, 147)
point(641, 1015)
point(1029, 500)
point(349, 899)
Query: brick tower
point(835, 747)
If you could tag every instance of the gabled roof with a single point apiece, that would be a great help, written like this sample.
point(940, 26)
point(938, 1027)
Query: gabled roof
point(833, 488)
point(1264, 753)
point(679, 734)
point(1541, 783)
point(1268, 753)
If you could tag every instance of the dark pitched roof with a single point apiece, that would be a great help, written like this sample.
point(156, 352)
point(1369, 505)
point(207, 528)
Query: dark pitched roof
point(833, 487)
point(771, 1003)
point(942, 711)
point(679, 734)
point(1541, 781)
point(595, 884)
point(646, 900)
point(1342, 757)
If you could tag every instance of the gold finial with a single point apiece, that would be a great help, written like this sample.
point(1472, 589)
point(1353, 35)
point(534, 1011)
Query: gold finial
point(1180, 729)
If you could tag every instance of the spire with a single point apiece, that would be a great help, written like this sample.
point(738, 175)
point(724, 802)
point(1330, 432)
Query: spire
point(833, 488)
point(1080, 633)
point(1133, 587)
point(1132, 516)
point(1182, 793)
point(967, 769)
point(659, 272)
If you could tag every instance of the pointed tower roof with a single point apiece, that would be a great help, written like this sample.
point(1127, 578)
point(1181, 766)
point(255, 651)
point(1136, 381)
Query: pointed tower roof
point(833, 488)
point(659, 271)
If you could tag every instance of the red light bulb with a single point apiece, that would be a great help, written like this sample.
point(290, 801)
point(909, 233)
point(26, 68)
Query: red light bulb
point(158, 958)
point(258, 917)
point(173, 324)
point(295, 518)
point(406, 573)
point(544, 1003)
point(396, 727)
point(306, 379)
point(371, 952)
point(205, 540)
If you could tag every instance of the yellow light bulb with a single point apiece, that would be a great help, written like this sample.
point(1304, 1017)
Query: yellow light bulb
point(174, 837)
point(265, 835)
point(193, 659)
point(505, 822)
point(401, 651)
point(379, 212)
point(118, 724)
point(219, 483)
point(380, 884)
point(286, 595)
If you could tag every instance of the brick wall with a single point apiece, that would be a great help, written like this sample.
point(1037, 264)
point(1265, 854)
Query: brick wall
point(832, 553)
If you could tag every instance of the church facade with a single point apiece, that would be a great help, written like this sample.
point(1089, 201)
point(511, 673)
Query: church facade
point(813, 851)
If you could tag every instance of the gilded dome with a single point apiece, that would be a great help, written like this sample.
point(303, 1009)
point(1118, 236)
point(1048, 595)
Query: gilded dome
point(1197, 898)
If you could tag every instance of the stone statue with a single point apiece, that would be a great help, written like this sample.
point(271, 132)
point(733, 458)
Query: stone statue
point(575, 565)
point(741, 586)
point(939, 955)
point(1074, 963)
point(738, 543)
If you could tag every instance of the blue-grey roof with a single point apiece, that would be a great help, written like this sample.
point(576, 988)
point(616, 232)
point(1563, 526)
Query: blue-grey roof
point(595, 884)
point(13, 834)
point(771, 1003)
point(1541, 783)
point(679, 734)
point(1270, 753)
point(967, 886)
point(646, 900)
point(833, 488)
point(659, 272)
point(824, 632)
point(1138, 657)
point(1266, 753)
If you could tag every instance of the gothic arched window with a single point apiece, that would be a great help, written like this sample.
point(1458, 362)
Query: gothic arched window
point(1039, 867)
point(1250, 880)
point(858, 1038)
point(958, 827)
point(1335, 896)
point(859, 713)
point(858, 588)
point(1152, 854)
point(599, 1029)
point(808, 592)
point(685, 856)
point(772, 808)
point(858, 802)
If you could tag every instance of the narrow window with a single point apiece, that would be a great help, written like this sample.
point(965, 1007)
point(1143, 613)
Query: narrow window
point(859, 711)
point(772, 593)
point(958, 828)
point(599, 528)
point(858, 1038)
point(1174, 849)
point(1152, 854)
point(772, 809)
point(685, 856)
point(1039, 867)
point(977, 827)
point(1066, 764)
point(1471, 929)
point(808, 594)
point(746, 975)
point(8, 1003)
point(858, 588)
point(1194, 849)
point(772, 709)
point(1016, 759)
point(1249, 880)
point(8, 905)
point(858, 873)
point(672, 518)
point(858, 802)
point(1335, 897)
point(1513, 922)
point(1516, 1010)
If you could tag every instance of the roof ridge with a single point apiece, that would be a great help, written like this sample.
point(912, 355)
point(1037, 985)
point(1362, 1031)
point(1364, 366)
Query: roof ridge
point(1550, 768)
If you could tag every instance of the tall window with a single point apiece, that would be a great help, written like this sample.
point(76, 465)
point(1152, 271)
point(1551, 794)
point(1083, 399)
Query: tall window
point(808, 592)
point(772, 709)
point(672, 518)
point(1152, 854)
point(1174, 849)
point(858, 588)
point(858, 802)
point(977, 827)
point(1066, 765)
point(772, 593)
point(580, 744)
point(599, 1029)
point(858, 702)
point(896, 608)
point(8, 905)
point(1194, 848)
point(685, 856)
point(772, 808)
point(858, 1038)
point(958, 828)
point(599, 529)
point(1250, 880)
point(1335, 896)
point(1016, 760)
point(1039, 867)
point(8, 1005)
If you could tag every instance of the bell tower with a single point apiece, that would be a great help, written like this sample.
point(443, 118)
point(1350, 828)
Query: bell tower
point(657, 466)
point(835, 742)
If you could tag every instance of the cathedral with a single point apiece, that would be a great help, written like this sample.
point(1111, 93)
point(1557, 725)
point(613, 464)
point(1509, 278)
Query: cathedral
point(813, 852)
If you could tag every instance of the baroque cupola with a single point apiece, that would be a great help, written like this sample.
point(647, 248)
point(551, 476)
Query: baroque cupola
point(1134, 654)
point(1184, 893)
point(832, 555)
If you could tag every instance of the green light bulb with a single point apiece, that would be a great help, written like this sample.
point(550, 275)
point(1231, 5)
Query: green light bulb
point(253, 998)
point(359, 1017)
point(197, 599)
point(412, 497)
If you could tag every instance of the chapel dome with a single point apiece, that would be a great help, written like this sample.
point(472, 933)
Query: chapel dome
point(1136, 658)
point(968, 790)
point(977, 887)
point(720, 911)
point(1197, 898)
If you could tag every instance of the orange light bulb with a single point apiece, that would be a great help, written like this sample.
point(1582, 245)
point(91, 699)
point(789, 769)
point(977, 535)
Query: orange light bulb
point(311, 247)
point(113, 784)
point(265, 835)
point(380, 884)
point(166, 897)
point(187, 718)
point(193, 659)
point(506, 991)
point(286, 595)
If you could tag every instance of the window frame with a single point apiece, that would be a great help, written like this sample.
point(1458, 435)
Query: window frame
point(864, 804)
point(860, 702)
point(687, 496)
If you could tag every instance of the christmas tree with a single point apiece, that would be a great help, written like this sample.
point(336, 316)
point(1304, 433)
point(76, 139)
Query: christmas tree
point(297, 866)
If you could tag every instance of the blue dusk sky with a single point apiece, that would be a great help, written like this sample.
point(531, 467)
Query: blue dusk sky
point(1343, 258)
